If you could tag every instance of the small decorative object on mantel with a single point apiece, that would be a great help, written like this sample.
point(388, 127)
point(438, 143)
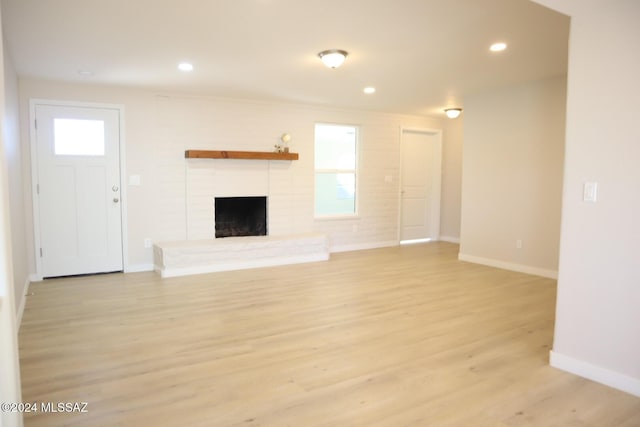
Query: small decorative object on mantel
point(284, 147)
point(285, 138)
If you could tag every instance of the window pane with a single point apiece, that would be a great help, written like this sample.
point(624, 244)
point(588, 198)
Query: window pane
point(335, 193)
point(335, 147)
point(74, 137)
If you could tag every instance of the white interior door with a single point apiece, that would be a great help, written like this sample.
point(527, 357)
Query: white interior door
point(78, 189)
point(420, 185)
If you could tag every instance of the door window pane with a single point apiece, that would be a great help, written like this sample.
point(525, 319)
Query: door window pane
point(75, 137)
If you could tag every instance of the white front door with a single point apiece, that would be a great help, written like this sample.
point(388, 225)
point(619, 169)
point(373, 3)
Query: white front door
point(420, 185)
point(78, 189)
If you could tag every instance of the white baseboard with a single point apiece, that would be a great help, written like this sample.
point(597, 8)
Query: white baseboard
point(520, 268)
point(138, 268)
point(362, 246)
point(450, 239)
point(23, 302)
point(595, 373)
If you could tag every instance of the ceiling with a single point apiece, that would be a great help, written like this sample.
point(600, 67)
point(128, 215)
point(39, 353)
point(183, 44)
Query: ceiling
point(420, 55)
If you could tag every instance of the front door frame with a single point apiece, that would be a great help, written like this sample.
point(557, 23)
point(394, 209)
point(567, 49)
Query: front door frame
point(34, 174)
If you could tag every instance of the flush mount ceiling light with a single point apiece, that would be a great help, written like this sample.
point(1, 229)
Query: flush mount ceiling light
point(498, 47)
point(369, 90)
point(333, 58)
point(453, 113)
point(185, 66)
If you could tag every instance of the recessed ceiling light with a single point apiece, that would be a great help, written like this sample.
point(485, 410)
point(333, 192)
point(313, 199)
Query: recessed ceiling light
point(185, 66)
point(498, 47)
point(369, 90)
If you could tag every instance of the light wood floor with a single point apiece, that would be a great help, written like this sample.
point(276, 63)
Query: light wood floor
point(404, 336)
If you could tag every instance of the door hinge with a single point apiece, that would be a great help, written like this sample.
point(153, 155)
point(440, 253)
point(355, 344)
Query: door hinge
point(35, 123)
point(37, 188)
point(40, 252)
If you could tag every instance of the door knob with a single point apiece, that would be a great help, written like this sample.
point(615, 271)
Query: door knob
point(116, 200)
point(115, 188)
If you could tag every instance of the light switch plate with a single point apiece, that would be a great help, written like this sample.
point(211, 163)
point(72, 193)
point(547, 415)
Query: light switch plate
point(590, 192)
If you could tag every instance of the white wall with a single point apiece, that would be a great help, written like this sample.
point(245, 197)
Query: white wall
point(598, 320)
point(9, 365)
point(512, 176)
point(15, 161)
point(451, 179)
point(175, 199)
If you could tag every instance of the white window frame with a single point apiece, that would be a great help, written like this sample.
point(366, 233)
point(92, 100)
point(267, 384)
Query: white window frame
point(355, 172)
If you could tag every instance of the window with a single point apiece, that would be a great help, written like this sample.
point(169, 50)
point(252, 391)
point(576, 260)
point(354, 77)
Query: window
point(336, 169)
point(75, 137)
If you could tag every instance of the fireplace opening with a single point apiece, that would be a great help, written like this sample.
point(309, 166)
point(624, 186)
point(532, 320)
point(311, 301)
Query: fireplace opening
point(240, 216)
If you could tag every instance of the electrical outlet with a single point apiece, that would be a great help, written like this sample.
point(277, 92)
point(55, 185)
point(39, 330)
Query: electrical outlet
point(518, 244)
point(147, 243)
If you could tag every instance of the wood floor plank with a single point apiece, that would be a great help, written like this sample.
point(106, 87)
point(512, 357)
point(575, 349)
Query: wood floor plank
point(405, 336)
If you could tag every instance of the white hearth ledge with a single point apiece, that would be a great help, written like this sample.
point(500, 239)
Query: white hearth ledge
point(183, 258)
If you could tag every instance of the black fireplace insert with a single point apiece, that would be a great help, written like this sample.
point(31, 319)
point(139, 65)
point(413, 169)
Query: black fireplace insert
point(241, 216)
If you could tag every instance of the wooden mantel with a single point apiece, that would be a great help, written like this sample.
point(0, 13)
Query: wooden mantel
point(246, 155)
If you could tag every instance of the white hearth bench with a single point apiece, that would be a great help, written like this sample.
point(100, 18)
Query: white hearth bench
point(182, 258)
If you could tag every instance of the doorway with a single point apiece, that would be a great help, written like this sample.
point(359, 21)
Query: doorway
point(420, 175)
point(77, 188)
